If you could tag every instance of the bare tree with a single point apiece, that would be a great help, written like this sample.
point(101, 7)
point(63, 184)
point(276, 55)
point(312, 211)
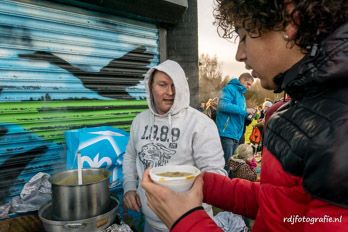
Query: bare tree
point(210, 77)
point(256, 95)
point(211, 82)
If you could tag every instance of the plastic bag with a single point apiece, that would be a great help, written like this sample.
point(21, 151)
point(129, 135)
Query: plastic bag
point(99, 147)
point(34, 194)
point(118, 228)
point(230, 222)
point(4, 210)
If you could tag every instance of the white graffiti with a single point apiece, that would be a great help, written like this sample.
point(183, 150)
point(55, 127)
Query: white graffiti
point(107, 135)
point(96, 163)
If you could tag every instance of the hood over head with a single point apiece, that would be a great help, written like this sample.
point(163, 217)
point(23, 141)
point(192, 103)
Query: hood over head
point(182, 92)
point(237, 84)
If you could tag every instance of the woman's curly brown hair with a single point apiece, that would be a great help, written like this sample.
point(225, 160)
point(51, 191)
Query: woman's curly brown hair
point(316, 18)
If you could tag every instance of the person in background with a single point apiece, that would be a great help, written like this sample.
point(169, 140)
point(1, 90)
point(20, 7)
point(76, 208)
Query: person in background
point(242, 164)
point(201, 107)
point(248, 120)
point(265, 106)
point(261, 121)
point(232, 112)
point(170, 132)
point(300, 47)
point(210, 108)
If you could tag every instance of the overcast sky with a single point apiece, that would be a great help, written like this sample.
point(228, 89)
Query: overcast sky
point(210, 42)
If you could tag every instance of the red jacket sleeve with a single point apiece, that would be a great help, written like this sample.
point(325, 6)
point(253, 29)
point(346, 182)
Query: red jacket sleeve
point(235, 195)
point(197, 221)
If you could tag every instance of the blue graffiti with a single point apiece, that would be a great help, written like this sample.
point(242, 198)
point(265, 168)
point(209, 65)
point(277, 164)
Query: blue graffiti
point(18, 163)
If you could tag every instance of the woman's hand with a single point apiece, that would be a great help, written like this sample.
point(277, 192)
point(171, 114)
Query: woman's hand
point(132, 201)
point(168, 204)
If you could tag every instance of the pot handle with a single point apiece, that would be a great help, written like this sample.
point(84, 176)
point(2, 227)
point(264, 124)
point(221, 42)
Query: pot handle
point(75, 225)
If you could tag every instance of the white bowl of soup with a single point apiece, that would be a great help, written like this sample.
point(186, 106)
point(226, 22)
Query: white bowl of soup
point(176, 177)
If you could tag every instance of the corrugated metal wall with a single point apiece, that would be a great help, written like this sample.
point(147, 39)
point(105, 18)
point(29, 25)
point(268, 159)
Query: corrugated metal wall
point(64, 68)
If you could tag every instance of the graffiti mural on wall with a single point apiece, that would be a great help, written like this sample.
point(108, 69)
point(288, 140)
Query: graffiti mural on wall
point(17, 162)
point(43, 61)
point(52, 74)
point(107, 73)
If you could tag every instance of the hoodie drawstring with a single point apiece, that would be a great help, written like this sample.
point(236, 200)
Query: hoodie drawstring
point(170, 122)
point(152, 138)
point(151, 126)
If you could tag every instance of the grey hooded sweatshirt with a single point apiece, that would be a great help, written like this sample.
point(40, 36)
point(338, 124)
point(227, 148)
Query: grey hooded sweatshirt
point(182, 136)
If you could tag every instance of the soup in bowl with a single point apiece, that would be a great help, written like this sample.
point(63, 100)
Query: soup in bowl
point(176, 177)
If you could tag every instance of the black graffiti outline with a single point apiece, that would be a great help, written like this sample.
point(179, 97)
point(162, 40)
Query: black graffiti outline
point(91, 80)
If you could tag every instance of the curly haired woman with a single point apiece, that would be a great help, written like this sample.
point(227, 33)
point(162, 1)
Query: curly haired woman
point(301, 47)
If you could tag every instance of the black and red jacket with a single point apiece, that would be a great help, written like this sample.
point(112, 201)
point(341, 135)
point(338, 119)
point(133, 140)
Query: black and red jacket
point(304, 173)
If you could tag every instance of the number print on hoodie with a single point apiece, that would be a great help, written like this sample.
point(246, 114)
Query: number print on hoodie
point(155, 154)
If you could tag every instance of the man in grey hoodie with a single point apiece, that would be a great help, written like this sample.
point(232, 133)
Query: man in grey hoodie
point(169, 132)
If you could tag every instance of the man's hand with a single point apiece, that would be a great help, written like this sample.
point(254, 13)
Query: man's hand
point(132, 201)
point(168, 204)
point(251, 111)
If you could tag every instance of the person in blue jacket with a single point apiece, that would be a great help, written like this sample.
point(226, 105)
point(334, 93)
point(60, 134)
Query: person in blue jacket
point(231, 113)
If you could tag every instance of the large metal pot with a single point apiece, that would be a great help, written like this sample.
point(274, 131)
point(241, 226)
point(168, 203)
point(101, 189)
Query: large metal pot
point(71, 201)
point(93, 224)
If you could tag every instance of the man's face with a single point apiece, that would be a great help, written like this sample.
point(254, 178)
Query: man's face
point(163, 92)
point(246, 83)
point(267, 55)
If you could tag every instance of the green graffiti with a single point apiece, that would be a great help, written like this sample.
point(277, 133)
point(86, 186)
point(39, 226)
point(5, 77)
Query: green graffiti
point(49, 119)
